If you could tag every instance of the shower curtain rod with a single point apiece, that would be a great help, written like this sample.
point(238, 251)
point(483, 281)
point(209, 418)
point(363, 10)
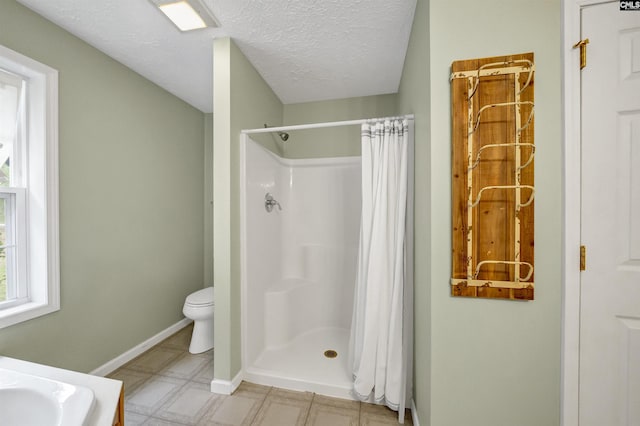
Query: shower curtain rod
point(320, 125)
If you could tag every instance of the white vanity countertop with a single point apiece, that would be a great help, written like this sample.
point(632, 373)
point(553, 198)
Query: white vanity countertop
point(106, 391)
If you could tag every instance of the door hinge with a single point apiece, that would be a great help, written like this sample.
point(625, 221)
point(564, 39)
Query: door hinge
point(582, 44)
point(583, 258)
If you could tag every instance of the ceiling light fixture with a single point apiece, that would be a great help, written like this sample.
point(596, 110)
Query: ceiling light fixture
point(187, 15)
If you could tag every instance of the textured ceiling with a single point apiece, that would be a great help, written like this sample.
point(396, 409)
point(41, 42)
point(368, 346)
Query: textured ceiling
point(306, 50)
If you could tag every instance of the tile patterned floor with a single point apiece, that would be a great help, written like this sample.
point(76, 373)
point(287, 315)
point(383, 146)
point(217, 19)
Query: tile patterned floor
point(169, 386)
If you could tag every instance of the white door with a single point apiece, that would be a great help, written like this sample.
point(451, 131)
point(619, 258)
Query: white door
point(610, 286)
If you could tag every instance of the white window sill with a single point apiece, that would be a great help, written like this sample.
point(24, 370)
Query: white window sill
point(25, 312)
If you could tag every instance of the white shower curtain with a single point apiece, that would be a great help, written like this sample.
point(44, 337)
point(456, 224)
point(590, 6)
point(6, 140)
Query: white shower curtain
point(379, 335)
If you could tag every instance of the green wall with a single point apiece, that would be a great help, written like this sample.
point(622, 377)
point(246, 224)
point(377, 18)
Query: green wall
point(242, 100)
point(334, 141)
point(493, 363)
point(131, 197)
point(414, 97)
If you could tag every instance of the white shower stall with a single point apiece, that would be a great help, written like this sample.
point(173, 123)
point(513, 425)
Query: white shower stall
point(299, 263)
point(309, 269)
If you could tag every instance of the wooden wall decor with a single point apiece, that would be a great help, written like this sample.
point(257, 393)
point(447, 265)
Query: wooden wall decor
point(493, 188)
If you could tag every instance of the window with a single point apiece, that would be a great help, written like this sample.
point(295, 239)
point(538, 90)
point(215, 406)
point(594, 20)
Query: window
point(29, 262)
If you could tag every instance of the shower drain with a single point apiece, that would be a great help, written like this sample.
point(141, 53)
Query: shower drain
point(330, 353)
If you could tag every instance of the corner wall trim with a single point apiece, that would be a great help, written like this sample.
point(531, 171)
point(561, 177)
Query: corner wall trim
point(414, 413)
point(226, 387)
point(122, 359)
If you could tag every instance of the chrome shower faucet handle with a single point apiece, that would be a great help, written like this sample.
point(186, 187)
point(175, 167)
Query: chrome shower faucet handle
point(270, 203)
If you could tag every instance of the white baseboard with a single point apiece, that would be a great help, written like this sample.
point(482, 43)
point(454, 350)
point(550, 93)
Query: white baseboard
point(226, 387)
point(414, 413)
point(124, 358)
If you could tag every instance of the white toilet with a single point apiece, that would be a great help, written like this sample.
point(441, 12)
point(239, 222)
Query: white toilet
point(199, 307)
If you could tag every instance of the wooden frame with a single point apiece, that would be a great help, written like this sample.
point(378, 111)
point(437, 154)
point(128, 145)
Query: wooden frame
point(118, 416)
point(493, 177)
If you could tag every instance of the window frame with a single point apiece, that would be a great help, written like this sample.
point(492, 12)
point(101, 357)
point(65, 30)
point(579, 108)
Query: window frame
point(36, 197)
point(16, 262)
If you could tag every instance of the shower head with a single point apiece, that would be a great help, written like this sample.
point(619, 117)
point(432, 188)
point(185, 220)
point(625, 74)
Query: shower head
point(284, 136)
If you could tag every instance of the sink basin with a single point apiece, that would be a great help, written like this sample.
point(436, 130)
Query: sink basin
point(27, 400)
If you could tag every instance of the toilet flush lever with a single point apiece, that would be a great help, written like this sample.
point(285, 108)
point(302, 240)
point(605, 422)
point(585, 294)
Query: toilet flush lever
point(270, 203)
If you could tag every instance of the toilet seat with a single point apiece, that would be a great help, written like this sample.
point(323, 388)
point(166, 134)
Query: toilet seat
point(201, 298)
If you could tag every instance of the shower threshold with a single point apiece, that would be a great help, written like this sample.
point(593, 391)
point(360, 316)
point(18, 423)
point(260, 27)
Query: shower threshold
point(303, 366)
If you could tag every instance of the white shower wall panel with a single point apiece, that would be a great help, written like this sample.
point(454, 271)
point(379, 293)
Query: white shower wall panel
point(300, 261)
point(264, 240)
point(320, 238)
point(325, 198)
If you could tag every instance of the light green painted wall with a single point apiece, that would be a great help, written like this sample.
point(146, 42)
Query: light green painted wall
point(414, 97)
point(335, 141)
point(497, 363)
point(242, 100)
point(131, 197)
